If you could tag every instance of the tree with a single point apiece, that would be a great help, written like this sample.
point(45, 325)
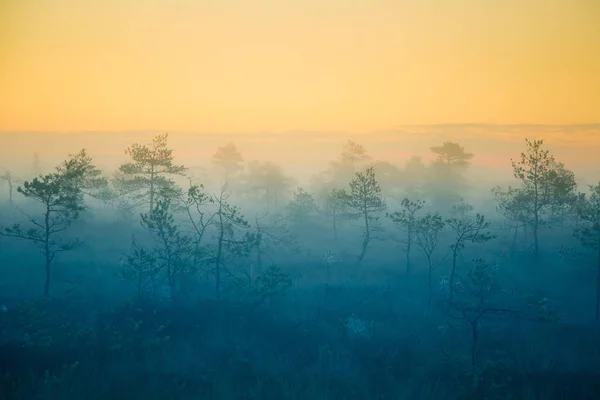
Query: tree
point(389, 177)
point(174, 250)
point(445, 174)
point(589, 232)
point(140, 266)
point(85, 176)
point(232, 236)
point(61, 203)
point(194, 204)
point(266, 180)
point(365, 198)
point(351, 159)
point(414, 174)
point(427, 238)
point(10, 180)
point(512, 205)
point(461, 209)
point(228, 161)
point(336, 207)
point(268, 236)
point(274, 281)
point(407, 219)
point(303, 207)
point(37, 165)
point(451, 153)
point(466, 231)
point(150, 172)
point(476, 302)
point(545, 184)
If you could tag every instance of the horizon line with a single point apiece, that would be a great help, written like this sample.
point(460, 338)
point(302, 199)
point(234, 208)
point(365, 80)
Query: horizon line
point(288, 131)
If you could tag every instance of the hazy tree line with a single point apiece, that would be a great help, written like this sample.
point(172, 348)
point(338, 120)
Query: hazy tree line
point(198, 233)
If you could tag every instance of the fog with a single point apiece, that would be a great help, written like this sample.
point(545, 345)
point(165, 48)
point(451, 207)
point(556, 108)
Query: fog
point(302, 265)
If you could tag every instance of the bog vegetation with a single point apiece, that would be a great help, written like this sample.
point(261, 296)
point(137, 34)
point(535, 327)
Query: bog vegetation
point(374, 281)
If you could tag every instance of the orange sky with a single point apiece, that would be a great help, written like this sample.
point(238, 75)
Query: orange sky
point(271, 65)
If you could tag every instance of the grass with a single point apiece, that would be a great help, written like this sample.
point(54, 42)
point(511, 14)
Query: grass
point(70, 349)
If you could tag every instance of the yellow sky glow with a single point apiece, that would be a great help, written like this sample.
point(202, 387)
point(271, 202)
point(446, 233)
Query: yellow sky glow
point(272, 65)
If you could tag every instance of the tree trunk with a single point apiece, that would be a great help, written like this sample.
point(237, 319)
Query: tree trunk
point(452, 273)
point(536, 225)
point(598, 287)
point(219, 254)
point(47, 253)
point(408, 251)
point(366, 239)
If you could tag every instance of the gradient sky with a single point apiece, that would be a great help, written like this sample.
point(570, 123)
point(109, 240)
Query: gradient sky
point(268, 65)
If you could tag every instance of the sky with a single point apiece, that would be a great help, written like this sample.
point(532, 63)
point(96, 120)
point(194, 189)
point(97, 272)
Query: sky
point(269, 66)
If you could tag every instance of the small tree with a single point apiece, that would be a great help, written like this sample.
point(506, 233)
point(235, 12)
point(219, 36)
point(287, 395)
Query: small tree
point(465, 231)
point(194, 205)
point(461, 209)
point(10, 180)
point(512, 205)
point(589, 232)
point(174, 248)
point(61, 203)
point(365, 198)
point(427, 238)
point(149, 172)
point(476, 302)
point(303, 207)
point(274, 281)
point(268, 236)
point(232, 236)
point(336, 207)
point(407, 219)
point(141, 268)
point(546, 184)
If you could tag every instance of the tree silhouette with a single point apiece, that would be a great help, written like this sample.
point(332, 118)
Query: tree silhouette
point(451, 153)
point(445, 174)
point(85, 176)
point(335, 207)
point(302, 208)
point(545, 184)
point(365, 198)
point(427, 238)
point(589, 231)
point(150, 172)
point(10, 180)
point(228, 161)
point(466, 231)
point(352, 157)
point(232, 236)
point(407, 219)
point(267, 180)
point(61, 203)
point(174, 248)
